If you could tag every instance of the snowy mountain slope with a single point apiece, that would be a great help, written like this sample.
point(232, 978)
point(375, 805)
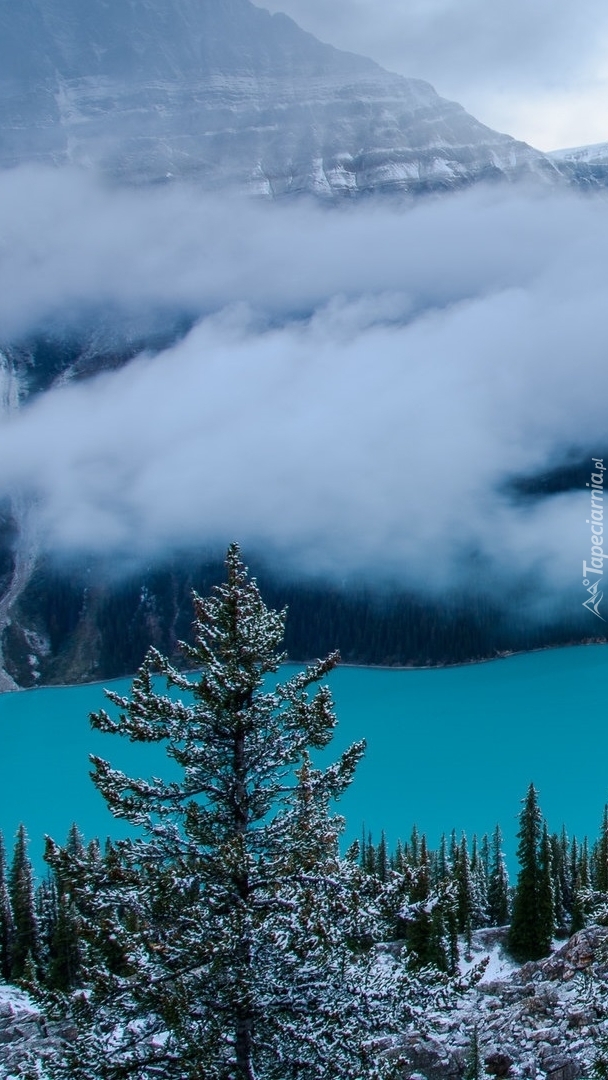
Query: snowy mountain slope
point(584, 166)
point(226, 94)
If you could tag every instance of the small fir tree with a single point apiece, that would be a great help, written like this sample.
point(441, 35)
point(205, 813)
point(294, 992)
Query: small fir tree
point(382, 862)
point(442, 864)
point(414, 847)
point(581, 904)
point(479, 889)
point(546, 894)
point(474, 1066)
point(498, 884)
point(560, 914)
point(484, 855)
point(600, 861)
point(399, 858)
point(46, 920)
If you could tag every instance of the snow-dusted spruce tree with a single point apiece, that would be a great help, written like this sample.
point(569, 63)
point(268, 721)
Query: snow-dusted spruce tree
point(7, 921)
point(21, 891)
point(498, 884)
point(230, 941)
point(532, 920)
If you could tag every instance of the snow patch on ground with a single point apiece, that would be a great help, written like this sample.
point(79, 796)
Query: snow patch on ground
point(488, 945)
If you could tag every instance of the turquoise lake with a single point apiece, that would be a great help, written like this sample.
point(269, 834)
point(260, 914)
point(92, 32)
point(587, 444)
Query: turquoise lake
point(447, 748)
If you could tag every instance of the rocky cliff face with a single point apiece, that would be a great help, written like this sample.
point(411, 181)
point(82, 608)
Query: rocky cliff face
point(225, 94)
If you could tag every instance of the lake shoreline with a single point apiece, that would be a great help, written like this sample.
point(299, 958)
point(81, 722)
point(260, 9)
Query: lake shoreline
point(505, 655)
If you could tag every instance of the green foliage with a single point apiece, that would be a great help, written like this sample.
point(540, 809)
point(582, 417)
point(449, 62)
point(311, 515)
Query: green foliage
point(474, 1065)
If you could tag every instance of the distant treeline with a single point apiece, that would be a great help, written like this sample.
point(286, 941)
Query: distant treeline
point(98, 626)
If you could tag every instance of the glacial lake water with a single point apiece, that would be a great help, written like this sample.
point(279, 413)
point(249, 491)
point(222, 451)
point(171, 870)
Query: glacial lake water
point(447, 748)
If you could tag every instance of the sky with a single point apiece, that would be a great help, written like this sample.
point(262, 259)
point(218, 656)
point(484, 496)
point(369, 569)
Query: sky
point(357, 391)
point(537, 71)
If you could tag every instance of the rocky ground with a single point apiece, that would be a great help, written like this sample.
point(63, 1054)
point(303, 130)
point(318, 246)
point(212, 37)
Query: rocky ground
point(544, 1021)
point(25, 1037)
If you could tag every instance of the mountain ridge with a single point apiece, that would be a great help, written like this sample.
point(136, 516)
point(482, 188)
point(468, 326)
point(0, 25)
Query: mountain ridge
point(228, 95)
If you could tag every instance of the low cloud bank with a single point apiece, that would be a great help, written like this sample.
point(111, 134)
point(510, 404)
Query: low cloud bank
point(358, 389)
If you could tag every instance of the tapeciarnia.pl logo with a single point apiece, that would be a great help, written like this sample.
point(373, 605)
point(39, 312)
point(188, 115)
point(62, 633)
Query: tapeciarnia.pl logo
point(596, 521)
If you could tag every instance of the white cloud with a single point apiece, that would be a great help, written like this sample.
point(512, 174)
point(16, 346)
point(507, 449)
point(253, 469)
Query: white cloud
point(357, 389)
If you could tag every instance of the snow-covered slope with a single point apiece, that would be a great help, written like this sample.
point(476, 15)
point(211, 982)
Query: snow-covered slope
point(546, 1019)
point(224, 93)
point(584, 166)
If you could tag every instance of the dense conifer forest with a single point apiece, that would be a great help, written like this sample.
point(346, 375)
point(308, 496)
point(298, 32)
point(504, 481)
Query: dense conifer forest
point(432, 900)
point(99, 624)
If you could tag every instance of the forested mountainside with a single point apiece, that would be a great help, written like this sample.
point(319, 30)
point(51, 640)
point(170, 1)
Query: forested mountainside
point(77, 624)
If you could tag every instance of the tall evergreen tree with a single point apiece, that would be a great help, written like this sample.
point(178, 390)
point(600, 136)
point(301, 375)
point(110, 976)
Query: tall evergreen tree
point(474, 1069)
point(454, 848)
point(443, 867)
point(582, 885)
point(559, 876)
point(414, 847)
point(21, 890)
point(484, 855)
point(238, 930)
point(399, 858)
point(464, 893)
point(584, 865)
point(464, 885)
point(528, 931)
point(61, 924)
point(382, 866)
point(369, 855)
point(567, 884)
point(7, 922)
point(46, 921)
point(479, 889)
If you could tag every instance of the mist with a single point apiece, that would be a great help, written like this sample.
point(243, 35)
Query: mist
point(358, 390)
